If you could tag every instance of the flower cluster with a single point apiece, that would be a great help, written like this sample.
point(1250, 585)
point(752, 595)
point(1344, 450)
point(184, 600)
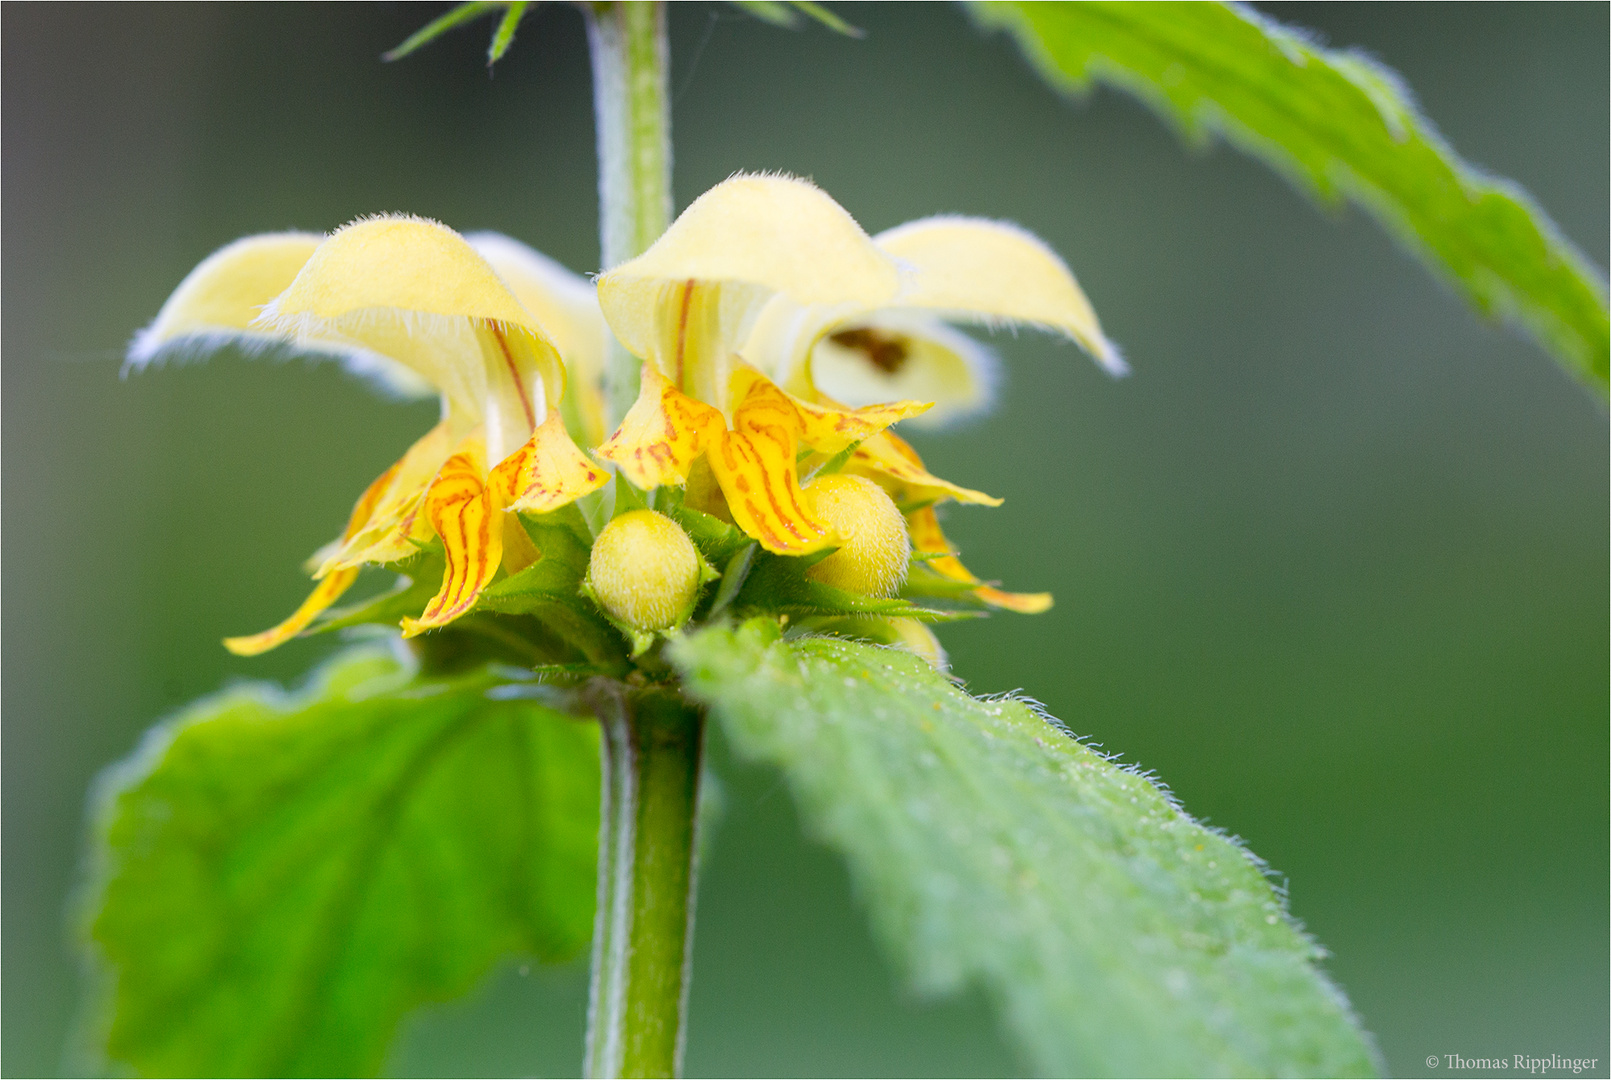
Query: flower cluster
point(779, 343)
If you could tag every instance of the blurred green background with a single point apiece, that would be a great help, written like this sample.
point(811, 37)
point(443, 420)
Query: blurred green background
point(1333, 561)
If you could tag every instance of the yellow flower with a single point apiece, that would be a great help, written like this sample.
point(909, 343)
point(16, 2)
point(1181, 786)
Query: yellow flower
point(483, 323)
point(770, 322)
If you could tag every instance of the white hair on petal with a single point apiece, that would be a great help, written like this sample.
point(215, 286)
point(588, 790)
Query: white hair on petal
point(274, 333)
point(151, 341)
point(367, 219)
point(150, 348)
point(381, 373)
point(772, 174)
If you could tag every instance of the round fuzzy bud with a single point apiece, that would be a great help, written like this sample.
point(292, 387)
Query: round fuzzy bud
point(874, 549)
point(644, 571)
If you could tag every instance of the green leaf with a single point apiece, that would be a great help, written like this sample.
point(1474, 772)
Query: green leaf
point(504, 36)
point(820, 14)
point(418, 579)
point(717, 541)
point(831, 465)
point(277, 878)
point(434, 29)
point(733, 577)
point(1336, 124)
point(1117, 935)
point(787, 15)
point(556, 576)
point(771, 11)
point(543, 582)
point(778, 583)
point(628, 497)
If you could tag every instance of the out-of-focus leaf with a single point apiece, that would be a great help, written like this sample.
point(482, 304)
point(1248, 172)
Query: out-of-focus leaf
point(454, 18)
point(775, 12)
point(818, 13)
point(787, 13)
point(1337, 124)
point(277, 878)
point(1118, 936)
point(504, 36)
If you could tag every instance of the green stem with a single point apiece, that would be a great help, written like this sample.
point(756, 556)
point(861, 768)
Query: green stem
point(643, 932)
point(651, 740)
point(632, 105)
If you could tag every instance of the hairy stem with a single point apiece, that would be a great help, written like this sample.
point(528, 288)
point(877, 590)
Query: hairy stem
point(643, 931)
point(632, 104)
point(651, 740)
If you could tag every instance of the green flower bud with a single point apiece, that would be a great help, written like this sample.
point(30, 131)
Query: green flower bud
point(874, 550)
point(644, 571)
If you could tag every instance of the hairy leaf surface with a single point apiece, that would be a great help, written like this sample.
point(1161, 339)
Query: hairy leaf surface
point(1337, 123)
point(277, 879)
point(1117, 935)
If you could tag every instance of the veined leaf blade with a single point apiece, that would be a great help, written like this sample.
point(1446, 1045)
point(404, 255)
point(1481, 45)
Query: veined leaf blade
point(276, 879)
point(1336, 123)
point(1117, 935)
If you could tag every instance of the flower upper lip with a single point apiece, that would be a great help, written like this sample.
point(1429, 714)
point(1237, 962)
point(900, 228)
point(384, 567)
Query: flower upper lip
point(767, 268)
point(417, 292)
